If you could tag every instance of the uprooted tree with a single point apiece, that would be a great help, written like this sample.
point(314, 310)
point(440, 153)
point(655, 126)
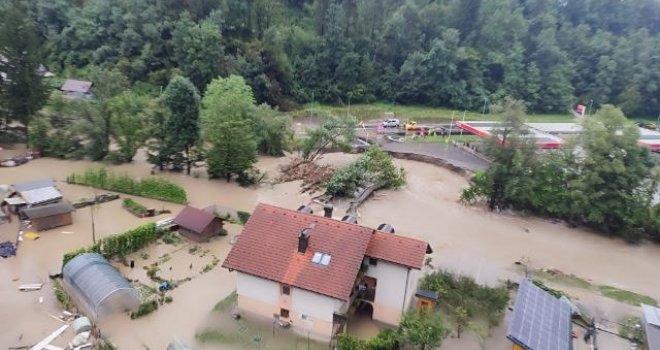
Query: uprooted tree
point(333, 133)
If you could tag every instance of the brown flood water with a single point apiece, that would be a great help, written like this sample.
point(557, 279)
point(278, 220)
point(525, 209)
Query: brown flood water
point(465, 239)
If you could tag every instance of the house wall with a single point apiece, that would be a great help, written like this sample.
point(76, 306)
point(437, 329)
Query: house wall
point(309, 313)
point(393, 295)
point(46, 223)
point(213, 229)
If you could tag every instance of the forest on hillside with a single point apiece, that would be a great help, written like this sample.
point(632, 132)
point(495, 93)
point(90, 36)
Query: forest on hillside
point(451, 53)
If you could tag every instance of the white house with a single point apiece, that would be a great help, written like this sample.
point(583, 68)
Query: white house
point(310, 272)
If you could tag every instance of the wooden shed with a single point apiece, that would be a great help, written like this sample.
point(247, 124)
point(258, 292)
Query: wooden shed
point(49, 216)
point(198, 225)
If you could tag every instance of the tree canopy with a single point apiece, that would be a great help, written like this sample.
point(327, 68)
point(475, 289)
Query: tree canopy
point(451, 53)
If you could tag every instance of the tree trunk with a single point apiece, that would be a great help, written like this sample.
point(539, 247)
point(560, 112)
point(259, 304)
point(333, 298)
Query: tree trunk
point(188, 160)
point(228, 177)
point(27, 132)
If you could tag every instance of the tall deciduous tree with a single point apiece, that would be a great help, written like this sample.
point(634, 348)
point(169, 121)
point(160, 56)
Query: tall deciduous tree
point(130, 128)
point(613, 187)
point(198, 50)
point(234, 150)
point(182, 128)
point(22, 89)
point(512, 150)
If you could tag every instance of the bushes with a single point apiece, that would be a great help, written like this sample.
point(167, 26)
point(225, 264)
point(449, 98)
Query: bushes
point(154, 187)
point(462, 291)
point(374, 167)
point(134, 207)
point(120, 244)
point(243, 216)
point(145, 309)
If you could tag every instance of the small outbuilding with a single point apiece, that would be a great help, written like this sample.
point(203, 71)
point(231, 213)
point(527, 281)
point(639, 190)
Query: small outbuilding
point(77, 88)
point(41, 196)
point(651, 322)
point(34, 185)
point(48, 216)
point(540, 321)
point(97, 288)
point(197, 224)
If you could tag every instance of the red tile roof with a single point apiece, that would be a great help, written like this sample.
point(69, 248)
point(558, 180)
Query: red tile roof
point(193, 219)
point(268, 248)
point(400, 250)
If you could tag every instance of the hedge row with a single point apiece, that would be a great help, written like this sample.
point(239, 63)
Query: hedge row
point(134, 207)
point(152, 187)
point(120, 244)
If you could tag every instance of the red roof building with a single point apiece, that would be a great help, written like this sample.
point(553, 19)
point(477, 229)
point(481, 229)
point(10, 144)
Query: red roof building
point(197, 225)
point(288, 261)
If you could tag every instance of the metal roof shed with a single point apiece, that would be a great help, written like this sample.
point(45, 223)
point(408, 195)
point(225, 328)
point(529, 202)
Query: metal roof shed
point(540, 321)
point(97, 288)
point(33, 185)
point(652, 326)
point(41, 195)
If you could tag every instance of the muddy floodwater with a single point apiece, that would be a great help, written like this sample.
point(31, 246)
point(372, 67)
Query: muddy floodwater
point(465, 239)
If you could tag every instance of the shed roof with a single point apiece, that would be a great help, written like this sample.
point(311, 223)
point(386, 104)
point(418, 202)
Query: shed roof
point(652, 326)
point(540, 321)
point(94, 281)
point(72, 85)
point(48, 210)
point(41, 195)
point(194, 219)
point(33, 185)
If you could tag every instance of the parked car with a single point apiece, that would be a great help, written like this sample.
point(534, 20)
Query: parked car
point(391, 123)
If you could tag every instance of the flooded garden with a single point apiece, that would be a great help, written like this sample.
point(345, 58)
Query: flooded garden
point(608, 275)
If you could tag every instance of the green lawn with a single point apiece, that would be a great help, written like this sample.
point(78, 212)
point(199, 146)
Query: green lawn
point(439, 139)
point(377, 111)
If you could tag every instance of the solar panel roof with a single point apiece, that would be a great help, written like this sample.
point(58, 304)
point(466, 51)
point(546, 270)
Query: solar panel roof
point(540, 321)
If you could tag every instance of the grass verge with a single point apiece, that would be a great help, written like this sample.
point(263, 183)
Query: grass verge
point(377, 111)
point(226, 303)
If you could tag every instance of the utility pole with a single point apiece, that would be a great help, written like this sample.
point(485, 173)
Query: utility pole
point(591, 103)
point(483, 110)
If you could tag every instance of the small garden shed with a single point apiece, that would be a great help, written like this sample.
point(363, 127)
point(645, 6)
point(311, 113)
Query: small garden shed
point(97, 288)
point(49, 216)
point(198, 225)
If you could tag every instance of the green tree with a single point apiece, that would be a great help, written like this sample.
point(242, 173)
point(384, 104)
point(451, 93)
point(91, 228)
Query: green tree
point(130, 128)
point(22, 89)
point(158, 153)
point(334, 132)
point(512, 152)
point(182, 127)
point(226, 99)
point(424, 330)
point(613, 189)
point(198, 50)
point(462, 319)
point(39, 131)
point(234, 151)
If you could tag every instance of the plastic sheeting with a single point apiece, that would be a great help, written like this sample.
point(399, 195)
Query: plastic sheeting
point(97, 287)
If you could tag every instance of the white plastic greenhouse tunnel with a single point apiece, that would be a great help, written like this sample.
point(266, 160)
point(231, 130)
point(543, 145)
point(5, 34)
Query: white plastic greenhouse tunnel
point(97, 288)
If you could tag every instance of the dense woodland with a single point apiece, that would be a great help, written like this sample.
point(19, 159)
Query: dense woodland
point(452, 53)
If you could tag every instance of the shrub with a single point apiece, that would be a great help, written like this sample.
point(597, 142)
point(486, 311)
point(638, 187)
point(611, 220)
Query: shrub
point(153, 187)
point(145, 309)
point(243, 217)
point(134, 207)
point(462, 291)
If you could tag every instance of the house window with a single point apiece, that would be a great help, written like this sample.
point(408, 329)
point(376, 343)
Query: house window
point(373, 261)
point(286, 290)
point(284, 313)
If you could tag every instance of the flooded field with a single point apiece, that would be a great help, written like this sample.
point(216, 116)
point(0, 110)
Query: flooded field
point(468, 240)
